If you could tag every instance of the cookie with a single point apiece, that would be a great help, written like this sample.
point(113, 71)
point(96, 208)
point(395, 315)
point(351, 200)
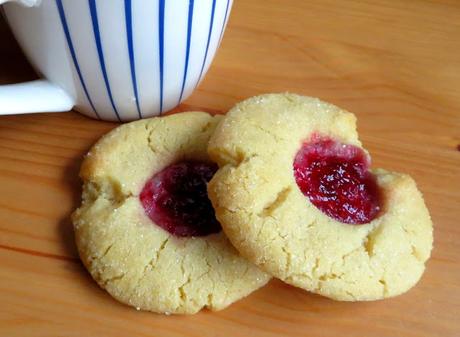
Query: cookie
point(146, 230)
point(295, 196)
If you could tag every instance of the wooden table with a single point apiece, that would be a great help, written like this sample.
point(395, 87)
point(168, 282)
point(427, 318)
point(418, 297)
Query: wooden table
point(396, 64)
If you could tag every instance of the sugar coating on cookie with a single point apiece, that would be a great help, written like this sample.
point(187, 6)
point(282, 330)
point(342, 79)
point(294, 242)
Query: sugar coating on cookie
point(138, 262)
point(276, 225)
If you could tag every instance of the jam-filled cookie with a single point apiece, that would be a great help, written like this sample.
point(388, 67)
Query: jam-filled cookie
point(295, 195)
point(146, 230)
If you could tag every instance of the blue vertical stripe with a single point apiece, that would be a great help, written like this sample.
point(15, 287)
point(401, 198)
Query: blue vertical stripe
point(73, 54)
point(225, 20)
point(161, 35)
point(97, 37)
point(209, 39)
point(187, 52)
point(129, 33)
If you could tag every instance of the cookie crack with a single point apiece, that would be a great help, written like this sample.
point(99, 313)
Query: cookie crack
point(233, 158)
point(102, 267)
point(158, 253)
point(414, 251)
point(368, 241)
point(328, 275)
point(209, 300)
point(332, 276)
point(105, 281)
point(288, 255)
point(272, 206)
point(344, 256)
point(205, 128)
point(293, 276)
point(105, 252)
point(152, 263)
point(107, 188)
point(385, 287)
point(208, 264)
point(181, 290)
point(381, 280)
point(315, 267)
point(150, 143)
point(349, 293)
point(319, 289)
point(275, 136)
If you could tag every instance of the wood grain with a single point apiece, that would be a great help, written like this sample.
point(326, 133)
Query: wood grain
point(394, 63)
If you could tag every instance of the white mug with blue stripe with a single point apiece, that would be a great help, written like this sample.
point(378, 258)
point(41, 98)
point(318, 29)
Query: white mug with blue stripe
point(116, 60)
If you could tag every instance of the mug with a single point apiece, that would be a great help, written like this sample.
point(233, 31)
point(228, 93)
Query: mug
point(115, 60)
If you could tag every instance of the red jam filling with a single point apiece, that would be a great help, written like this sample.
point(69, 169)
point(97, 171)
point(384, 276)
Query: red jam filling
point(335, 177)
point(176, 199)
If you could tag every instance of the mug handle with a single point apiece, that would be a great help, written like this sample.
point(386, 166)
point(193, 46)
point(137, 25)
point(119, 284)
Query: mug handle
point(35, 96)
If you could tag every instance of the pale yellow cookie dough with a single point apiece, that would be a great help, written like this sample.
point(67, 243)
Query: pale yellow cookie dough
point(271, 222)
point(136, 261)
